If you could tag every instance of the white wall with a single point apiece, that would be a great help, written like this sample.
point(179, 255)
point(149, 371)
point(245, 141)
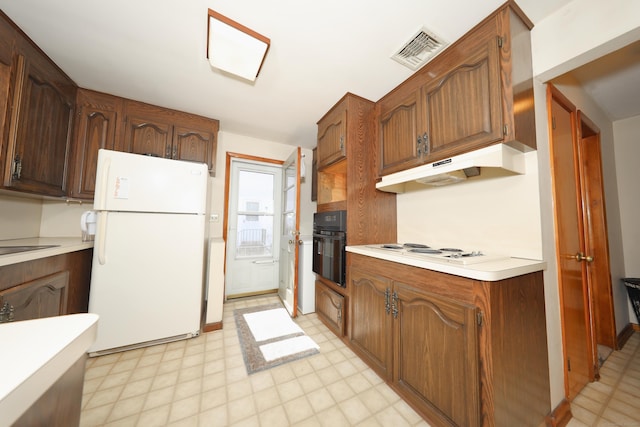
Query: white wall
point(576, 34)
point(494, 213)
point(19, 217)
point(627, 154)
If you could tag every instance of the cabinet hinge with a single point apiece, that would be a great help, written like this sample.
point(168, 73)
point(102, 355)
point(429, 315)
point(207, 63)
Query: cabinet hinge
point(500, 40)
point(479, 318)
point(505, 130)
point(568, 364)
point(553, 122)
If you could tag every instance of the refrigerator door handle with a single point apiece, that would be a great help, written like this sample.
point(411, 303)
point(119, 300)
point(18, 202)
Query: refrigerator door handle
point(105, 176)
point(102, 237)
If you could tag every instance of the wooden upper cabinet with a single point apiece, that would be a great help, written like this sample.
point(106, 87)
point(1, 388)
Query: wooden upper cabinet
point(464, 99)
point(462, 106)
point(171, 134)
point(7, 40)
point(196, 142)
point(399, 122)
point(332, 137)
point(148, 137)
point(40, 126)
point(97, 126)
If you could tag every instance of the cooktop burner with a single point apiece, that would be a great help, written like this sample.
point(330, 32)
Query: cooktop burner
point(425, 251)
point(450, 255)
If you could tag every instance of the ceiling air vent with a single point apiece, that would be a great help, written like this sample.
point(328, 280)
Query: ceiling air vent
point(423, 46)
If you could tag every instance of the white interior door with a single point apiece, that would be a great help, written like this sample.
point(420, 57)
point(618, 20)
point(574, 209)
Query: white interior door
point(290, 239)
point(254, 228)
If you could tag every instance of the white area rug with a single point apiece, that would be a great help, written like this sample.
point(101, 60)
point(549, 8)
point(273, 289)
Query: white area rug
point(269, 337)
point(287, 347)
point(269, 324)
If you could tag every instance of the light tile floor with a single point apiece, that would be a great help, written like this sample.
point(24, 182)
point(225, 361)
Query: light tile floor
point(614, 400)
point(203, 382)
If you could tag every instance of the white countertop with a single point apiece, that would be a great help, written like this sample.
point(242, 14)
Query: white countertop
point(487, 271)
point(65, 245)
point(35, 353)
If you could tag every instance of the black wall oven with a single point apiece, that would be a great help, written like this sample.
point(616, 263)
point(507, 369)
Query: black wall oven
point(329, 241)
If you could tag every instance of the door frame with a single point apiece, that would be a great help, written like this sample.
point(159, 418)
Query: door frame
point(227, 185)
point(597, 237)
point(598, 303)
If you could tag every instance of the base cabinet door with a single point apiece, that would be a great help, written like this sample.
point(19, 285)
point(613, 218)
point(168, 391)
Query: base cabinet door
point(370, 321)
point(436, 356)
point(44, 297)
point(330, 308)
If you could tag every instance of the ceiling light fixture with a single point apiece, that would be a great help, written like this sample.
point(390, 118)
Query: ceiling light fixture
point(234, 48)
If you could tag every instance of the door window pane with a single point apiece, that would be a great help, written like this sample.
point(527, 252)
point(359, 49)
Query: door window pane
point(255, 214)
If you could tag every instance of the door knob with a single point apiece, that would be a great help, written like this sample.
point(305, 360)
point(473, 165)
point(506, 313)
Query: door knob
point(582, 257)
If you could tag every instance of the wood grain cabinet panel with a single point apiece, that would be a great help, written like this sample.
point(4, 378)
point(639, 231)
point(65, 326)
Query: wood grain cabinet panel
point(332, 137)
point(97, 126)
point(43, 297)
point(161, 132)
point(436, 355)
point(462, 108)
point(370, 325)
point(330, 308)
point(41, 125)
point(400, 125)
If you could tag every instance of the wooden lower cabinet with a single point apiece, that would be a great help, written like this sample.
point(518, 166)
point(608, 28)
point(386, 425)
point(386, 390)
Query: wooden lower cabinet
point(43, 297)
point(436, 355)
point(461, 352)
point(330, 308)
point(371, 324)
point(47, 287)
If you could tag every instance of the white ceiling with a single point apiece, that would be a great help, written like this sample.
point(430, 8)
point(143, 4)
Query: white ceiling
point(154, 51)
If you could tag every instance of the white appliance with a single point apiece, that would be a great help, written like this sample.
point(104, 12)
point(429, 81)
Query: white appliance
point(148, 260)
point(306, 277)
point(447, 255)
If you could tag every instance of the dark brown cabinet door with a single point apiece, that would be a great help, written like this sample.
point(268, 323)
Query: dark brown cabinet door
point(462, 108)
point(332, 137)
point(148, 137)
point(370, 324)
point(44, 297)
point(196, 144)
point(41, 124)
point(330, 308)
point(400, 132)
point(436, 355)
point(97, 126)
point(171, 134)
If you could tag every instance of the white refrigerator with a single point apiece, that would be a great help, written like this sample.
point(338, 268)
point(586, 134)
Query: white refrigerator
point(147, 278)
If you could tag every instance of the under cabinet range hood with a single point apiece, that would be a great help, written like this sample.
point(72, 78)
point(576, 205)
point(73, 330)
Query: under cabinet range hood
point(457, 168)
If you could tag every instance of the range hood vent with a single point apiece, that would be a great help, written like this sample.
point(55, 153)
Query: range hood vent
point(456, 169)
point(423, 46)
